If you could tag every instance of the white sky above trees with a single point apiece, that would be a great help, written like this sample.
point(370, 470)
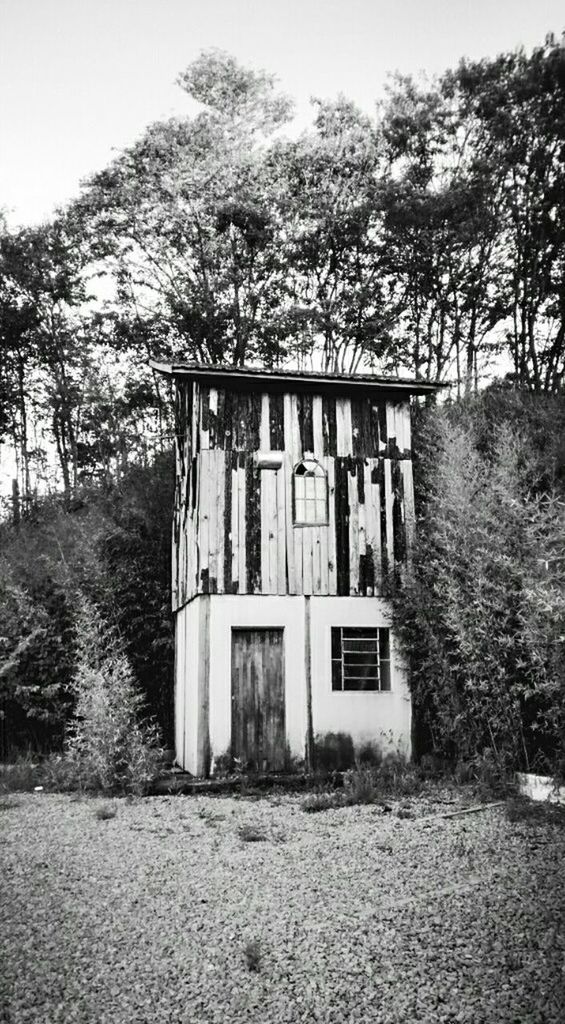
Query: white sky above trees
point(80, 79)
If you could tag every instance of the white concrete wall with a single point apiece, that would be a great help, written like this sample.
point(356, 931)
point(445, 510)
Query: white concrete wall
point(186, 687)
point(381, 718)
point(231, 610)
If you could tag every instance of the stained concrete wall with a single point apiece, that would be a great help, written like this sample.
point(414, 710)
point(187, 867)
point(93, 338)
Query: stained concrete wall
point(382, 718)
point(203, 675)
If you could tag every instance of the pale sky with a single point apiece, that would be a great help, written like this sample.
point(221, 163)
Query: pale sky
point(80, 79)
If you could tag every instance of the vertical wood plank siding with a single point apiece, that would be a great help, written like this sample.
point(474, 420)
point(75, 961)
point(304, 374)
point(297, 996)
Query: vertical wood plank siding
point(233, 526)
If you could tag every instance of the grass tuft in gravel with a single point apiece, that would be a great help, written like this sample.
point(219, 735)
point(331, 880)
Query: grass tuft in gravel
point(315, 802)
point(522, 809)
point(105, 812)
point(253, 955)
point(370, 784)
point(251, 834)
point(20, 777)
point(8, 803)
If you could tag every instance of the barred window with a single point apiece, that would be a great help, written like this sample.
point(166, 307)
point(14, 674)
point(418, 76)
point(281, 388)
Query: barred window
point(310, 494)
point(360, 658)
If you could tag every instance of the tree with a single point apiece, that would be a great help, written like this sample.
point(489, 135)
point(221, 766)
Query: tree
point(517, 103)
point(187, 222)
point(442, 223)
point(46, 343)
point(335, 258)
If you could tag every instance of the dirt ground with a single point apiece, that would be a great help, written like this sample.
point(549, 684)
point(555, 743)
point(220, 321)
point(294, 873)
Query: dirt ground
point(202, 909)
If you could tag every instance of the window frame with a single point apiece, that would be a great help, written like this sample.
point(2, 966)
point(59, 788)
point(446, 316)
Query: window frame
point(383, 664)
point(300, 523)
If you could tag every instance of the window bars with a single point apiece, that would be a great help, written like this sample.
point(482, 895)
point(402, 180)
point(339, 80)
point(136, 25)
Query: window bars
point(360, 658)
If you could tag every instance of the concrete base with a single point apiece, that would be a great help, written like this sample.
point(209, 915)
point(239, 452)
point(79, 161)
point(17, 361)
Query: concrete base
point(203, 692)
point(540, 787)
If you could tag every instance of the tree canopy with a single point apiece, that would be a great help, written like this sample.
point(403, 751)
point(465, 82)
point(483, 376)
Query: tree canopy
point(427, 239)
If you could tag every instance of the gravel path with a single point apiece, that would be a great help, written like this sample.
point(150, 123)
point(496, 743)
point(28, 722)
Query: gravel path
point(159, 914)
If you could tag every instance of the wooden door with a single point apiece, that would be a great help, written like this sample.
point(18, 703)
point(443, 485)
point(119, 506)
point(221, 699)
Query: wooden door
point(258, 720)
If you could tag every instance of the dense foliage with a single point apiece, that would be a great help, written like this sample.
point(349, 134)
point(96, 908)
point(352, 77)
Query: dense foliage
point(112, 548)
point(482, 607)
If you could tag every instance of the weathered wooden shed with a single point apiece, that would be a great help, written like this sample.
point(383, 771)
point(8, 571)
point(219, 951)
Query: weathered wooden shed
point(293, 501)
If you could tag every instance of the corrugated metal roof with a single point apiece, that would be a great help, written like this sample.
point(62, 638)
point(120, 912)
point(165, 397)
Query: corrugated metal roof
point(252, 373)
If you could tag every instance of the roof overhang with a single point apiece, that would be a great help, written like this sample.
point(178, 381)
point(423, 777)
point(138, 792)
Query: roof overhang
point(295, 380)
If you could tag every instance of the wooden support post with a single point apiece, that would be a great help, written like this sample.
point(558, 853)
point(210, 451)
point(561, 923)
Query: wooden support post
point(308, 680)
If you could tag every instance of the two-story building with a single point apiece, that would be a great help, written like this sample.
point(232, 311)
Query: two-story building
point(294, 502)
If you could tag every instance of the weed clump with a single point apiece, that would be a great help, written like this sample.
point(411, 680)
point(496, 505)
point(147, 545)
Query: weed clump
point(105, 812)
point(250, 834)
point(253, 955)
point(367, 783)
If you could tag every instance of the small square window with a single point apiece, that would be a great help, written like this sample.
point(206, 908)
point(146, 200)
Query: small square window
point(360, 658)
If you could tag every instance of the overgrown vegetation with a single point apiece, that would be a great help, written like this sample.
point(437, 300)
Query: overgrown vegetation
point(388, 778)
point(481, 610)
point(110, 747)
point(112, 546)
point(533, 813)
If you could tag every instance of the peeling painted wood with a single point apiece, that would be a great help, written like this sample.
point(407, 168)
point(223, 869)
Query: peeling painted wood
point(409, 512)
point(388, 513)
point(228, 483)
point(398, 526)
point(317, 428)
point(242, 541)
point(233, 529)
point(280, 487)
point(212, 418)
point(253, 525)
point(304, 409)
point(329, 425)
point(342, 525)
point(331, 534)
point(352, 496)
point(289, 529)
point(276, 422)
point(265, 425)
point(204, 418)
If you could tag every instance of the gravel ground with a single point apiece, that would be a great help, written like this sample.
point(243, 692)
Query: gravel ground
point(164, 913)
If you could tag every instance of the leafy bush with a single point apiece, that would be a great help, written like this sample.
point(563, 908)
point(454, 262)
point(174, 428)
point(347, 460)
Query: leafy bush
point(110, 747)
point(481, 618)
point(21, 776)
point(112, 545)
point(36, 658)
